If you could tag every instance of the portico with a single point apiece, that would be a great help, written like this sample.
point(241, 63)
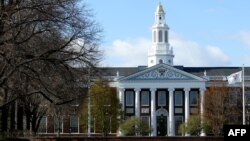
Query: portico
point(163, 96)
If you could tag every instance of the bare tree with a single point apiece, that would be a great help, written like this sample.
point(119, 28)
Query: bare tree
point(221, 108)
point(104, 109)
point(41, 41)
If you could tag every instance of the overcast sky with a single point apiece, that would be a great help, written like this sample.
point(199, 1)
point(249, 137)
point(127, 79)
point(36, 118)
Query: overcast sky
point(202, 33)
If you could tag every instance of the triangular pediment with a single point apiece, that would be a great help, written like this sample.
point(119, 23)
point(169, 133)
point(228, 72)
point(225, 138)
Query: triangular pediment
point(162, 72)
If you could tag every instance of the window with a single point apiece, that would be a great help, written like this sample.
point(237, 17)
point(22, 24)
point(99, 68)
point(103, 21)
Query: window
point(145, 98)
point(161, 98)
point(178, 121)
point(144, 110)
point(129, 98)
point(129, 110)
point(166, 36)
point(160, 36)
point(146, 120)
point(178, 98)
point(233, 98)
point(169, 61)
point(43, 125)
point(58, 124)
point(247, 115)
point(74, 124)
point(193, 99)
point(247, 95)
point(160, 61)
point(178, 110)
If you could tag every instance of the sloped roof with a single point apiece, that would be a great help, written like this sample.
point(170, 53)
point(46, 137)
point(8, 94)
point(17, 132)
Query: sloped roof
point(162, 72)
point(198, 71)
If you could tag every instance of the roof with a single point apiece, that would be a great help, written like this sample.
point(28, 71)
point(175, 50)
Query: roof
point(198, 71)
point(162, 72)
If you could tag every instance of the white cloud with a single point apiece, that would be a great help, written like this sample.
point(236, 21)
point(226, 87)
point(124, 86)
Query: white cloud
point(131, 53)
point(190, 53)
point(127, 53)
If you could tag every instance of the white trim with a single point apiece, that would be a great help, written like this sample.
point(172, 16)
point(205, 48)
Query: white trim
point(167, 67)
point(162, 111)
point(162, 84)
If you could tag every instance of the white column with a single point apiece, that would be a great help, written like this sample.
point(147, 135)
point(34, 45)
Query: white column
point(137, 102)
point(202, 92)
point(187, 112)
point(121, 97)
point(153, 114)
point(171, 112)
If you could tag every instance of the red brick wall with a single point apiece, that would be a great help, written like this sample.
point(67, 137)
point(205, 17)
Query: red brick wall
point(66, 124)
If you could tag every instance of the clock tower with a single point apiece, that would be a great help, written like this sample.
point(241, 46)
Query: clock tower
point(160, 51)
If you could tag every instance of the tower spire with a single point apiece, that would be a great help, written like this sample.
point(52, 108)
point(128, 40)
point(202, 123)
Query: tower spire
point(160, 51)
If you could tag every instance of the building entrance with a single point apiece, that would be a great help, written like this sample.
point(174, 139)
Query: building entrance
point(162, 128)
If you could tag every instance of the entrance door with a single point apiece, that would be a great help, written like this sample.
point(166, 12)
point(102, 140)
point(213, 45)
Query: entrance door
point(162, 127)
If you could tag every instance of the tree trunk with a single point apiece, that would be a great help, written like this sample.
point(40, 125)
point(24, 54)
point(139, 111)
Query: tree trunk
point(20, 118)
point(4, 118)
point(12, 117)
point(28, 117)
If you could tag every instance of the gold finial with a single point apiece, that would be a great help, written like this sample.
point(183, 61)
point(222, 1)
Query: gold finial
point(160, 8)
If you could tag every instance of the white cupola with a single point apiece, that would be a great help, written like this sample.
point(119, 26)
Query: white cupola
point(160, 51)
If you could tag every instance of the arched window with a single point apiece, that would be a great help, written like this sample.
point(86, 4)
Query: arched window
point(160, 36)
point(160, 61)
point(166, 36)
